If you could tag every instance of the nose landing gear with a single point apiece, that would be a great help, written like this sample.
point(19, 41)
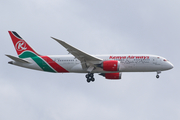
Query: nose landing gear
point(90, 77)
point(157, 76)
point(158, 72)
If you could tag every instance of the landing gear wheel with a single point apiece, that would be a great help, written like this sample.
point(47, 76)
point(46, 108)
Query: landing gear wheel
point(92, 79)
point(158, 72)
point(157, 76)
point(91, 75)
point(88, 80)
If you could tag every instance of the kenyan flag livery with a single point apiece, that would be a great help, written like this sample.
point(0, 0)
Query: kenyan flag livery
point(25, 51)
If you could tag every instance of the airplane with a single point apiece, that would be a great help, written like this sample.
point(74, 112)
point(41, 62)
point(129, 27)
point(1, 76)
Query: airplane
point(109, 66)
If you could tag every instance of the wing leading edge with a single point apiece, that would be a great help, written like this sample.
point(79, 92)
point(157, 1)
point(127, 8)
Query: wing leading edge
point(88, 61)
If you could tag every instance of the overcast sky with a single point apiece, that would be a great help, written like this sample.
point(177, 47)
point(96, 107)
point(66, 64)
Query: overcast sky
point(96, 27)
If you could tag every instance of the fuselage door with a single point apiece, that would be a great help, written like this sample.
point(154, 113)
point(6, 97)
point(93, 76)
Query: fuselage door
point(156, 60)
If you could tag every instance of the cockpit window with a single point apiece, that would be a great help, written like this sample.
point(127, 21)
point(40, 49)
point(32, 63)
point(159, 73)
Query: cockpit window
point(164, 60)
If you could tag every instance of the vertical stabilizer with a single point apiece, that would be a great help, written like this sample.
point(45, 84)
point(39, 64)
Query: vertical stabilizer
point(22, 48)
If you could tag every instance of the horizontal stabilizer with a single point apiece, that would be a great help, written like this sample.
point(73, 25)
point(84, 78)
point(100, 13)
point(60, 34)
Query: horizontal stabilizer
point(17, 59)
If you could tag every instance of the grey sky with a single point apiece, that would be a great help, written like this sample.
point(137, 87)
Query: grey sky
point(96, 27)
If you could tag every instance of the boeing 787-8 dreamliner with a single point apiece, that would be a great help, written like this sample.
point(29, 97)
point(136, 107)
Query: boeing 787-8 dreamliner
point(109, 66)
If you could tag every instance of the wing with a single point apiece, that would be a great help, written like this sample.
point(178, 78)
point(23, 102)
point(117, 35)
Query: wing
point(87, 60)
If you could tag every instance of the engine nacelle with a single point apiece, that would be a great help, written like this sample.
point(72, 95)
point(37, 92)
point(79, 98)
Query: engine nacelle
point(112, 75)
point(111, 65)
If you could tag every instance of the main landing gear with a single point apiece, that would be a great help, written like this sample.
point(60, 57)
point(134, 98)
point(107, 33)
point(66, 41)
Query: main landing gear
point(90, 77)
point(158, 72)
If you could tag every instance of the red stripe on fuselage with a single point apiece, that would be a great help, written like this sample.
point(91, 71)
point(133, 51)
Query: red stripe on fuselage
point(53, 64)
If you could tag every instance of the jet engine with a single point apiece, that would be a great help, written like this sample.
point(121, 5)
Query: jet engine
point(112, 75)
point(111, 65)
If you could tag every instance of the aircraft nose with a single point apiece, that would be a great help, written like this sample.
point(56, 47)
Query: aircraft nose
point(170, 65)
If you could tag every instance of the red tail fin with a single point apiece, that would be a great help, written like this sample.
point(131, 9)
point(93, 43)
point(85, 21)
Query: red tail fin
point(22, 48)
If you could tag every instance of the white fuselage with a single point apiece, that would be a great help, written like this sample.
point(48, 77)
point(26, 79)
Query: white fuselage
point(128, 63)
